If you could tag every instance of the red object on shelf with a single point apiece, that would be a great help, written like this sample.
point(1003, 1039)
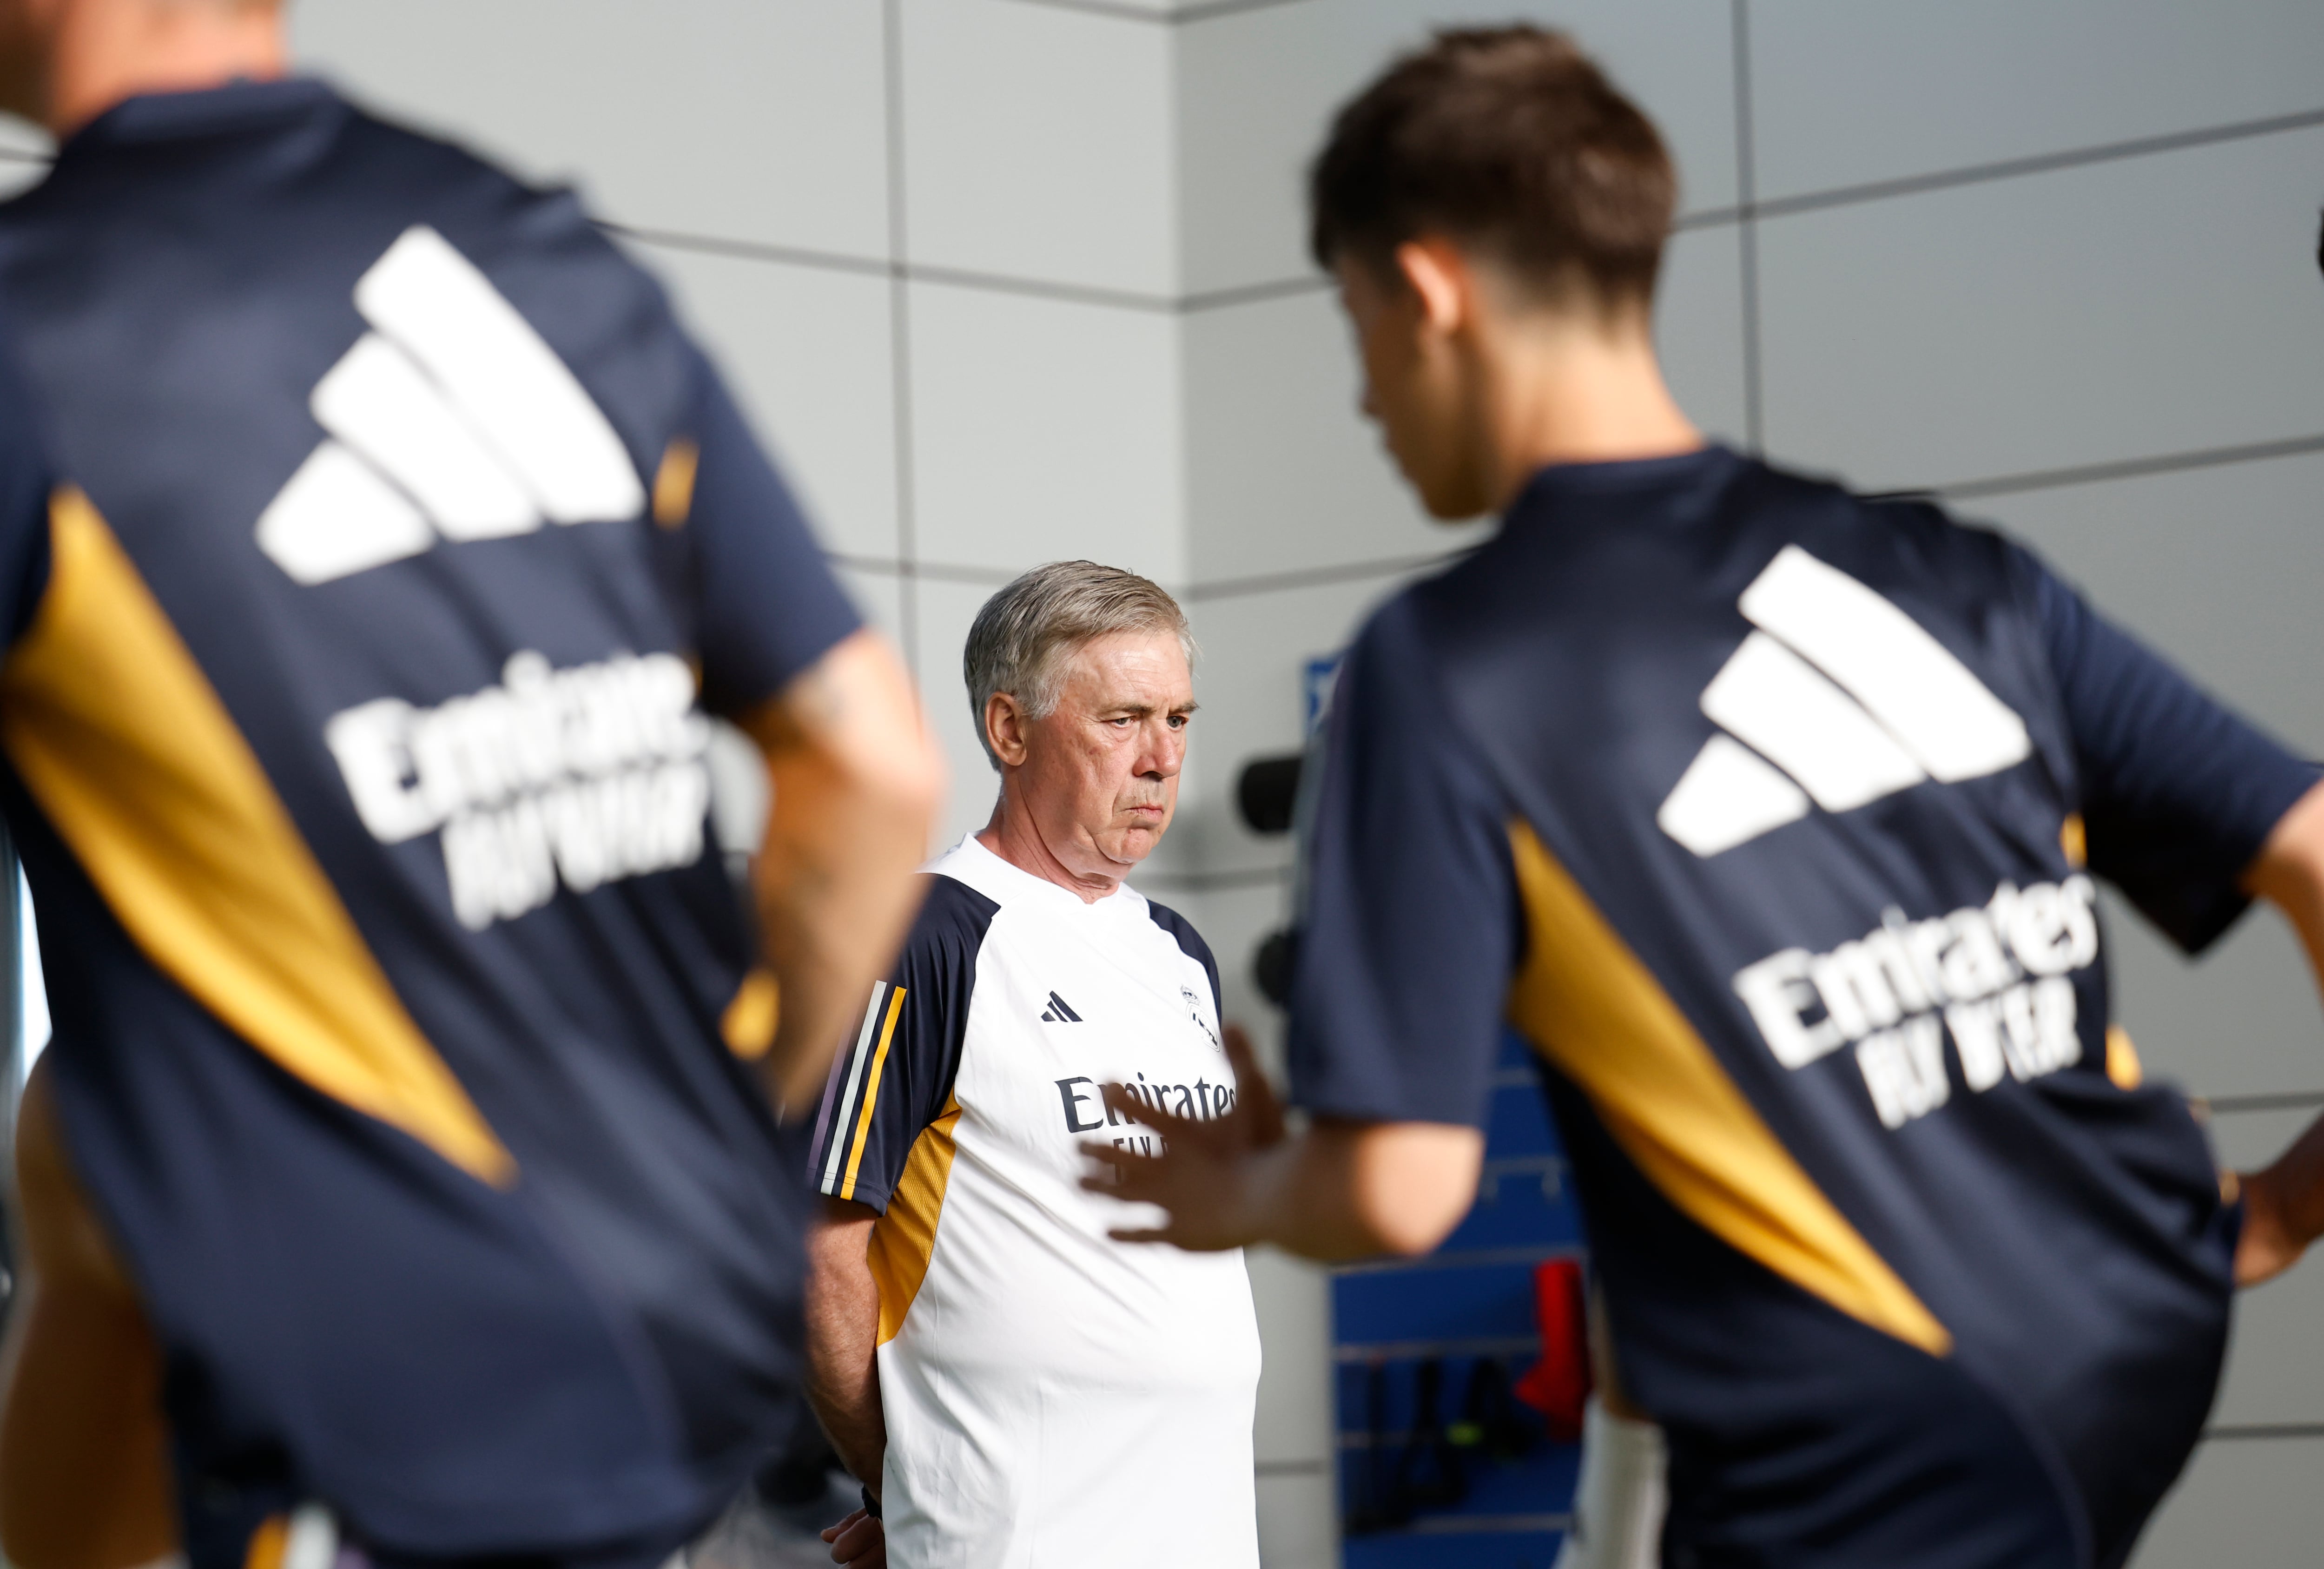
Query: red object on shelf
point(1557, 1385)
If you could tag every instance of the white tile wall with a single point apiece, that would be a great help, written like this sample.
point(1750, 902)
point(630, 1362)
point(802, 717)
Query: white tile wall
point(2240, 1020)
point(1699, 329)
point(1257, 91)
point(2165, 553)
point(2271, 1376)
point(2242, 1505)
point(806, 352)
point(1283, 475)
point(1299, 1520)
point(880, 596)
point(737, 118)
point(1255, 649)
point(1044, 429)
point(1037, 141)
point(2154, 306)
point(1848, 92)
point(941, 616)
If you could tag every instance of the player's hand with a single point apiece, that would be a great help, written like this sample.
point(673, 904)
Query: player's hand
point(1207, 1176)
point(860, 1540)
point(2284, 1210)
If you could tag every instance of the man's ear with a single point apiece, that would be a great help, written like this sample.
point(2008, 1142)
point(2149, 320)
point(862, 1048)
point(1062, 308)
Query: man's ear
point(1440, 279)
point(1004, 729)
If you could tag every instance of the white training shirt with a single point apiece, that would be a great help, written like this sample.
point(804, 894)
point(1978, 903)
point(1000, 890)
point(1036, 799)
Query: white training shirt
point(1053, 1397)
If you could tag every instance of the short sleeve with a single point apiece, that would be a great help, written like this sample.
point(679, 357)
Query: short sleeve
point(2178, 792)
point(769, 606)
point(1410, 925)
point(897, 1076)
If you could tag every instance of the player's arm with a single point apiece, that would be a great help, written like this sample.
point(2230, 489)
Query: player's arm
point(856, 784)
point(843, 1337)
point(84, 1449)
point(1408, 939)
point(1340, 1189)
point(2284, 1205)
point(2191, 813)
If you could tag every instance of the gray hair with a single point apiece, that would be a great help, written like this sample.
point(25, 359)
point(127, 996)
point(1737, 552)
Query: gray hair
point(1021, 638)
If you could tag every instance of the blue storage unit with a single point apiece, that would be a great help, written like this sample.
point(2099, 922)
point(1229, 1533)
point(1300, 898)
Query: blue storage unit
point(1471, 1300)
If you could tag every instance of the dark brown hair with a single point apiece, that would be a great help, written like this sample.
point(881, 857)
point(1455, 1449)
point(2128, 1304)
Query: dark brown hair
point(1509, 140)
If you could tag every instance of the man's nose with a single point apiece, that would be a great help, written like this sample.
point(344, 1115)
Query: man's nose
point(1165, 754)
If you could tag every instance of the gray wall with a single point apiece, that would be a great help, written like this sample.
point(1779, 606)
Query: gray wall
point(1010, 280)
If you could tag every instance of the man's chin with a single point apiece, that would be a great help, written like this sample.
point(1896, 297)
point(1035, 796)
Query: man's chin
point(1132, 846)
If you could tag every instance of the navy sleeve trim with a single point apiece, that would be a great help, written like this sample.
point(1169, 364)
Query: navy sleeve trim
point(1191, 944)
point(895, 1078)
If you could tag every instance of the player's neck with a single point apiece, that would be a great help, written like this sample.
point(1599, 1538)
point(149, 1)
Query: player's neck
point(1014, 836)
point(105, 53)
point(1577, 393)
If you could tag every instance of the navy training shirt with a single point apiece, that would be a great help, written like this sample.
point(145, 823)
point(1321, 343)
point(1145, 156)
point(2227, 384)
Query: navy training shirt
point(401, 543)
point(1770, 815)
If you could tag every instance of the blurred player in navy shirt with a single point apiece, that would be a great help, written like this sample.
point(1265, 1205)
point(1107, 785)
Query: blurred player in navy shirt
point(1771, 816)
point(406, 1175)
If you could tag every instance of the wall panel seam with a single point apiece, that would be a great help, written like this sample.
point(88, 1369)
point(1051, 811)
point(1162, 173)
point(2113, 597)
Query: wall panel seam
point(1210, 11)
point(1199, 591)
point(900, 338)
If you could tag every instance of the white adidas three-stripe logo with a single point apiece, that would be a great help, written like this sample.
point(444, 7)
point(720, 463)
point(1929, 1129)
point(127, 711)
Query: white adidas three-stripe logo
point(450, 418)
point(1838, 698)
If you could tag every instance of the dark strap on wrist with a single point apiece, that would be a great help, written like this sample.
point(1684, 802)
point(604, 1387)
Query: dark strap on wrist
point(871, 1504)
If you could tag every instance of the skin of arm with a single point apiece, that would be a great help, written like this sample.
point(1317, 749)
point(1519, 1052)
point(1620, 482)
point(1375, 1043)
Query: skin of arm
point(2284, 1205)
point(85, 1480)
point(842, 1334)
point(1342, 1189)
point(842, 1376)
point(855, 787)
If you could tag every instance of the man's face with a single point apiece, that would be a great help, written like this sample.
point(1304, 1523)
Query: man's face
point(1100, 776)
point(1419, 389)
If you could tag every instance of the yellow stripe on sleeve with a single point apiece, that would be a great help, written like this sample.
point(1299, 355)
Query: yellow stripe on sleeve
point(871, 1094)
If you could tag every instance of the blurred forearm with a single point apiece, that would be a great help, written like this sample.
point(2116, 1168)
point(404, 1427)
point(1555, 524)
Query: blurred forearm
point(1353, 1190)
point(2284, 1205)
point(856, 784)
point(84, 1450)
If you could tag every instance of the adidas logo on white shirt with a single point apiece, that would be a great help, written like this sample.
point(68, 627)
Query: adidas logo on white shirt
point(1058, 1013)
point(1838, 698)
point(452, 417)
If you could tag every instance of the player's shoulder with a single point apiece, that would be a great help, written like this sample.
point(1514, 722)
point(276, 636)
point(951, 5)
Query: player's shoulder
point(952, 919)
point(1181, 930)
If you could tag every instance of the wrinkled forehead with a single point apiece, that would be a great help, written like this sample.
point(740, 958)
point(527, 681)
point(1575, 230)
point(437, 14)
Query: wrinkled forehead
point(1142, 669)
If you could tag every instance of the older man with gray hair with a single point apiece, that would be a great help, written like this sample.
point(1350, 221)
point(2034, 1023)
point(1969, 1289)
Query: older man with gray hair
point(1012, 1385)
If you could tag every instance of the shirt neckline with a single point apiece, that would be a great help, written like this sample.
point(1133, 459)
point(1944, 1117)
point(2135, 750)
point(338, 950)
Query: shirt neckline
point(239, 106)
point(1008, 871)
point(1621, 474)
